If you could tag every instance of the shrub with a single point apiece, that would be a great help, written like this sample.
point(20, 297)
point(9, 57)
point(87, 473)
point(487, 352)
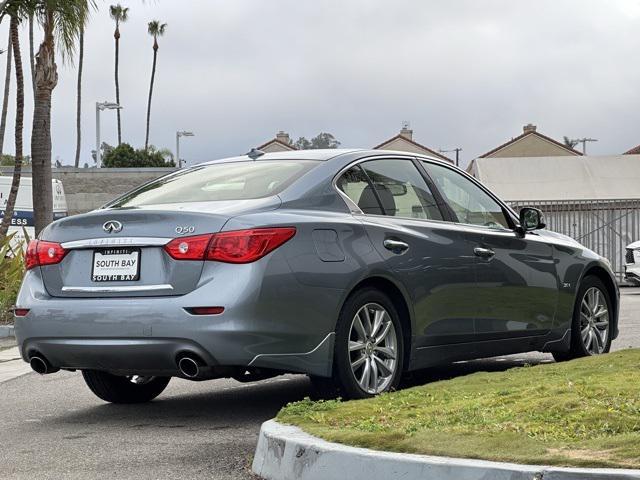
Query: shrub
point(11, 273)
point(124, 156)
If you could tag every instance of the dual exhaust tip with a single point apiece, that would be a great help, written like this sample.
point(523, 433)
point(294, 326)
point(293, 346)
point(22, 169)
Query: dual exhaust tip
point(189, 366)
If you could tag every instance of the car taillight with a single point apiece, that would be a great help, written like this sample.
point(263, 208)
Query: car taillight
point(40, 253)
point(239, 246)
point(188, 248)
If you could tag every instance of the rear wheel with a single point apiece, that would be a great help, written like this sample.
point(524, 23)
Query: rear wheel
point(369, 348)
point(591, 326)
point(131, 389)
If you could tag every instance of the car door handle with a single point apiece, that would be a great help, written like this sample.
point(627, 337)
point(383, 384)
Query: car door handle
point(396, 246)
point(484, 252)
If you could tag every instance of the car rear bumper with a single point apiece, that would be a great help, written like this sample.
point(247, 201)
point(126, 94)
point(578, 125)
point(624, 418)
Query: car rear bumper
point(148, 334)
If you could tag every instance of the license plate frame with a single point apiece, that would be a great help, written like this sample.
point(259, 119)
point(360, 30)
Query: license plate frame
point(123, 274)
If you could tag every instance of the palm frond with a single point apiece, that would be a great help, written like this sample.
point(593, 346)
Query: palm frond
point(156, 29)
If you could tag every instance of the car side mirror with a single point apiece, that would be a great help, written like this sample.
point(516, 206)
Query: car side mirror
point(531, 219)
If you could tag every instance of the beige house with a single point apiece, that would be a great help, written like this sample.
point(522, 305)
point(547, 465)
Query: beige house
point(281, 143)
point(531, 143)
point(402, 142)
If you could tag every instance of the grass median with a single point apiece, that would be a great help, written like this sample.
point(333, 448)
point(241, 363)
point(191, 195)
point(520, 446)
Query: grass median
point(584, 413)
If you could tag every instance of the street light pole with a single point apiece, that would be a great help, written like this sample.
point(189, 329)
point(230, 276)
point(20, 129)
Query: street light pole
point(99, 107)
point(181, 133)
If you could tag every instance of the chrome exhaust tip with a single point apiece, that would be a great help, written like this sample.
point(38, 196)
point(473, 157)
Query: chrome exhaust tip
point(189, 367)
point(40, 365)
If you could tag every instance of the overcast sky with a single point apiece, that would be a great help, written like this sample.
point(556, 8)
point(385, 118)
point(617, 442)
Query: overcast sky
point(464, 73)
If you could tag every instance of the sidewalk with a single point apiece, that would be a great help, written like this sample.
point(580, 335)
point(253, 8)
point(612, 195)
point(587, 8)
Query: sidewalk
point(11, 364)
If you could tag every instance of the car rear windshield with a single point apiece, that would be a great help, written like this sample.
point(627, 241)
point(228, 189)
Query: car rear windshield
point(221, 181)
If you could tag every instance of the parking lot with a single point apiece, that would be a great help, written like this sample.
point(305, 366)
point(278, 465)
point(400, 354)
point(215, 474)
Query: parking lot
point(53, 427)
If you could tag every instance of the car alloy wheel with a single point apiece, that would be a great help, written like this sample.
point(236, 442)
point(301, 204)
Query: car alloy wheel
point(373, 348)
point(594, 321)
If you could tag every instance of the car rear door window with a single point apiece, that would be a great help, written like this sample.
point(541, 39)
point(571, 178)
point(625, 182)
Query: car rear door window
point(355, 185)
point(469, 202)
point(400, 189)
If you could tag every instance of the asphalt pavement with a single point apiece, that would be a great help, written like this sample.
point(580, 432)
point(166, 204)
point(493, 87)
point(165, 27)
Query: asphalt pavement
point(52, 427)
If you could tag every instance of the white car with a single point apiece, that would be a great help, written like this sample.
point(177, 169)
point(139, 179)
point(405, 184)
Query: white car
point(23, 212)
point(632, 264)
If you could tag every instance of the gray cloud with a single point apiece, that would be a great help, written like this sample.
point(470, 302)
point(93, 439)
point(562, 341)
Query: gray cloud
point(465, 73)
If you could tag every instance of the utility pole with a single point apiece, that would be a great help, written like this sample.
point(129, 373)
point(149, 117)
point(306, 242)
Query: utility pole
point(457, 150)
point(584, 141)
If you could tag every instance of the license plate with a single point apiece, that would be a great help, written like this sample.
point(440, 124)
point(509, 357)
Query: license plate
point(116, 265)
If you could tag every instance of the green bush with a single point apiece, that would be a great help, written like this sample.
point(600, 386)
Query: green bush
point(124, 156)
point(11, 273)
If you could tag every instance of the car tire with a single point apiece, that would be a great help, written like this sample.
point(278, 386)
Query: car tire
point(585, 319)
point(382, 353)
point(117, 389)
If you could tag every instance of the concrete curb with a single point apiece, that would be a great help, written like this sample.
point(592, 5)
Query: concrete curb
point(6, 331)
point(288, 453)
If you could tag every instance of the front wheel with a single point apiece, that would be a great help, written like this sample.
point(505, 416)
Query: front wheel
point(132, 389)
point(591, 326)
point(369, 349)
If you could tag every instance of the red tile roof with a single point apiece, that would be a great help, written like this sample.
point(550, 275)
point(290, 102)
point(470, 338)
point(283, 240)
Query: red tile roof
point(521, 136)
point(633, 151)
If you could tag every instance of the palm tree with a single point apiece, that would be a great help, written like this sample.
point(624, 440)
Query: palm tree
point(119, 14)
point(17, 168)
point(155, 29)
point(5, 101)
point(62, 21)
point(79, 97)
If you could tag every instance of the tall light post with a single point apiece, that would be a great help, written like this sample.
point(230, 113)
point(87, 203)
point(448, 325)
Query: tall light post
point(179, 134)
point(99, 107)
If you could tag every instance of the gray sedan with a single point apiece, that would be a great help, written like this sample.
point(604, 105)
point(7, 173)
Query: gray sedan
point(350, 266)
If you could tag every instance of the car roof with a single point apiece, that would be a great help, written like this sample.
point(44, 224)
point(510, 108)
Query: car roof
point(318, 155)
point(323, 155)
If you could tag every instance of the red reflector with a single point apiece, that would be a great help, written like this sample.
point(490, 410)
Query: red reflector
point(41, 253)
point(188, 248)
point(205, 310)
point(246, 246)
point(20, 312)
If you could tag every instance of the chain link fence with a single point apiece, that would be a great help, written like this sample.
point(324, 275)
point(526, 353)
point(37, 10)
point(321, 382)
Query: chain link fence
point(604, 226)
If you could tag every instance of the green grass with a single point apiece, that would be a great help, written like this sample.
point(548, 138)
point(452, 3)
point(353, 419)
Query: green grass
point(584, 413)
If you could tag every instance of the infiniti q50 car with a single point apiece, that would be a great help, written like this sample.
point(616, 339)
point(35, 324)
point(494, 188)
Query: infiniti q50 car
point(350, 266)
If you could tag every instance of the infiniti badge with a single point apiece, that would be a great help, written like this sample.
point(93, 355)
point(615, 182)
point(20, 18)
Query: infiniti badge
point(112, 226)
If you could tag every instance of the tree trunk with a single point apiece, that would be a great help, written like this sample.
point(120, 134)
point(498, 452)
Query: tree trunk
point(17, 168)
point(117, 37)
point(79, 98)
point(5, 101)
point(46, 81)
point(153, 76)
point(31, 57)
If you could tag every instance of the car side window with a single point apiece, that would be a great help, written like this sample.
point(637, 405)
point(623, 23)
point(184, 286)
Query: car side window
point(355, 185)
point(468, 201)
point(400, 189)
